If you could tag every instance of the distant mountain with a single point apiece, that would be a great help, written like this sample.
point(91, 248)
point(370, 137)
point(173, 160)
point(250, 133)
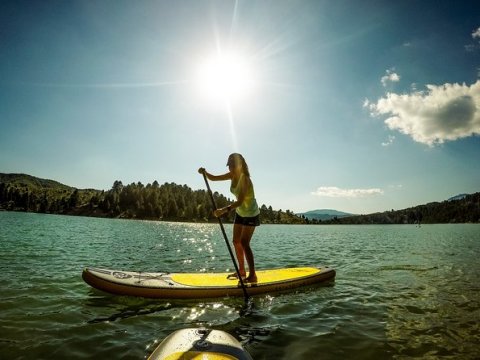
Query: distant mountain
point(463, 210)
point(32, 182)
point(458, 197)
point(324, 214)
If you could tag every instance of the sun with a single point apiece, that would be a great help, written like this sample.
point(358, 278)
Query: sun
point(225, 77)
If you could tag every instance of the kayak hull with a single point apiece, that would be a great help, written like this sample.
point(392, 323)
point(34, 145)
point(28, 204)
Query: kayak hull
point(201, 285)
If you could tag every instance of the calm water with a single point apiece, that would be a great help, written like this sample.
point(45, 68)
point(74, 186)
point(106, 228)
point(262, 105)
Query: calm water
point(401, 291)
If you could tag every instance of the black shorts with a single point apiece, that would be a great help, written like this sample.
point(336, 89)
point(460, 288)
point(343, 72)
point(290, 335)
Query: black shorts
point(247, 221)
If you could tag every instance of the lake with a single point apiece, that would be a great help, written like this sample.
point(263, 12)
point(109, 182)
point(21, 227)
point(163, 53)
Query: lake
point(401, 291)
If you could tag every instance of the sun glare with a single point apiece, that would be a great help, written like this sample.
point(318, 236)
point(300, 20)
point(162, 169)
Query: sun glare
point(225, 77)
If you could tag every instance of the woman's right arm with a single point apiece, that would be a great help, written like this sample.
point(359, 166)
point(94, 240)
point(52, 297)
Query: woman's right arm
point(211, 177)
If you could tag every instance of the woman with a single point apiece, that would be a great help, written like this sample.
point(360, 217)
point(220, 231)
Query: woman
point(247, 213)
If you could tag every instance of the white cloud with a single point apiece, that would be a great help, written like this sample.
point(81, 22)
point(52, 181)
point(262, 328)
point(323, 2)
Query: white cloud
point(441, 113)
point(476, 34)
point(390, 141)
point(473, 47)
point(390, 76)
point(395, 186)
point(470, 47)
point(333, 191)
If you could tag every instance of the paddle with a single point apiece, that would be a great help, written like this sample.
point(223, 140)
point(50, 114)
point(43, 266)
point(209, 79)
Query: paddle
point(245, 294)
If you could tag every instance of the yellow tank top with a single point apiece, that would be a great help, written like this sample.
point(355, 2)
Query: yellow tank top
point(249, 207)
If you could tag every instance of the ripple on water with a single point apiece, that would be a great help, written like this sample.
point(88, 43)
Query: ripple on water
point(400, 291)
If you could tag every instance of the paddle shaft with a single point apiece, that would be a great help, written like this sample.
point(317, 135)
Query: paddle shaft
point(226, 238)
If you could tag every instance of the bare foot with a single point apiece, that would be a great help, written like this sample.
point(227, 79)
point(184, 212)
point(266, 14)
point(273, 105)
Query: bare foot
point(252, 278)
point(234, 276)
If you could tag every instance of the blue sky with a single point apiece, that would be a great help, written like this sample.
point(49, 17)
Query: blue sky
point(356, 106)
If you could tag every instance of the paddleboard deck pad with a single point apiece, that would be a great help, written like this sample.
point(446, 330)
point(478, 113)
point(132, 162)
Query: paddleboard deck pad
point(201, 285)
point(200, 344)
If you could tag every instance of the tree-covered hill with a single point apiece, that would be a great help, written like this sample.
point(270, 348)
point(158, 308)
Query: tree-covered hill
point(465, 209)
point(21, 192)
point(32, 182)
point(172, 202)
point(324, 214)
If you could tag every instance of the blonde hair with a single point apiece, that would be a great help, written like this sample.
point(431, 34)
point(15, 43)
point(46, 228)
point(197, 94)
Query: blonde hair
point(237, 159)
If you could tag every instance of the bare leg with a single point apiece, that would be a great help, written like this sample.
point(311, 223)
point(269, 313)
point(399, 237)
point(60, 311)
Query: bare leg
point(247, 233)
point(239, 251)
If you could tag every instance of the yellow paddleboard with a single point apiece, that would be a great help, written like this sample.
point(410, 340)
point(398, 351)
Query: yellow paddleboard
point(202, 285)
point(263, 277)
